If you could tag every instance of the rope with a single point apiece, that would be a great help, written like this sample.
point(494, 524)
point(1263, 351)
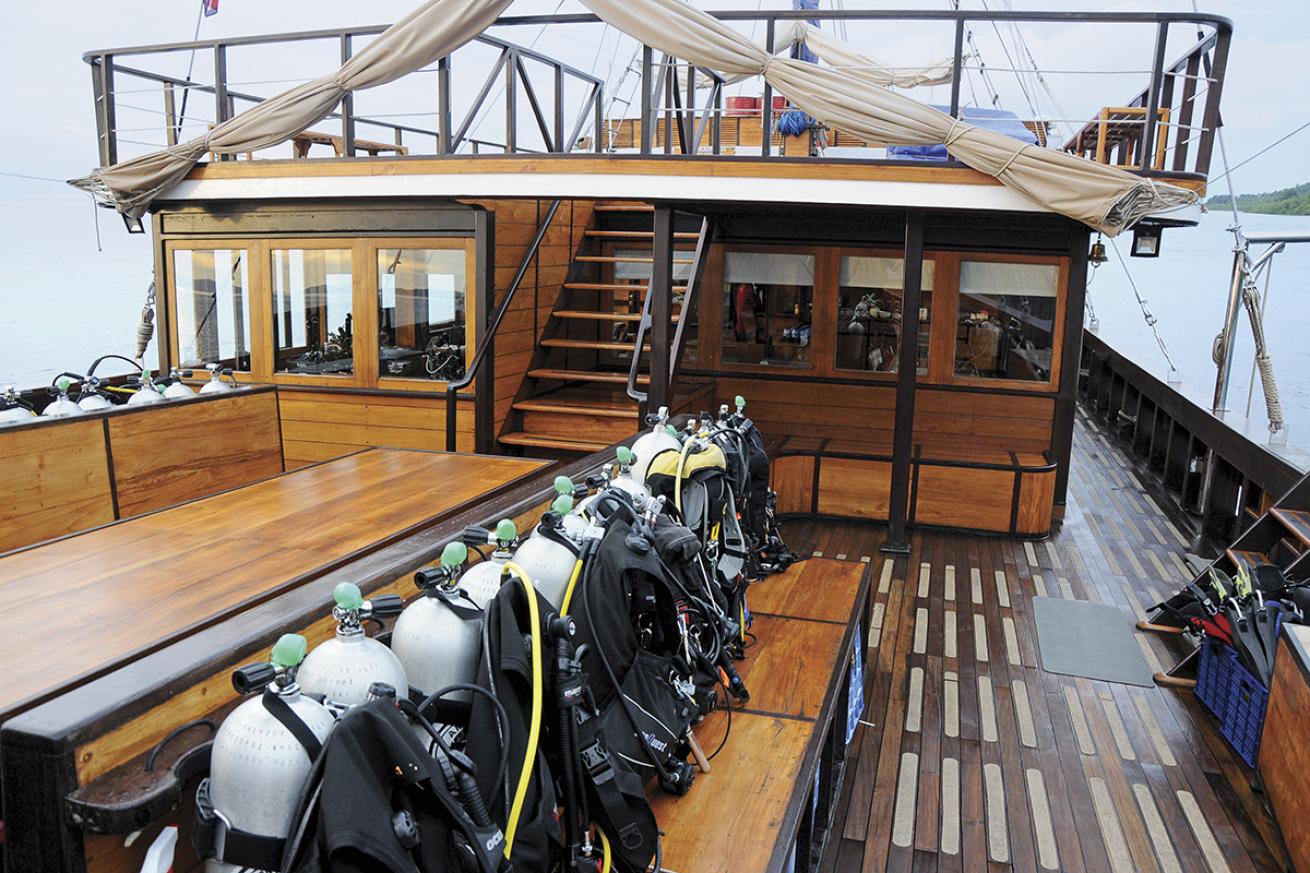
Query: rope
point(1147, 315)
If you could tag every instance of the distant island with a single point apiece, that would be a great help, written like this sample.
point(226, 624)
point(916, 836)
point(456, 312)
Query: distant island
point(1289, 201)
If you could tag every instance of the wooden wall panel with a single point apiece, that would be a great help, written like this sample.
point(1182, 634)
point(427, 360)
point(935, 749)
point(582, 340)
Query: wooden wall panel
point(182, 451)
point(319, 425)
point(964, 497)
point(793, 478)
point(57, 481)
point(855, 489)
point(1036, 495)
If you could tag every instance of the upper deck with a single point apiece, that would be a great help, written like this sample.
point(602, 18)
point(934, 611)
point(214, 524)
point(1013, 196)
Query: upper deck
point(1136, 90)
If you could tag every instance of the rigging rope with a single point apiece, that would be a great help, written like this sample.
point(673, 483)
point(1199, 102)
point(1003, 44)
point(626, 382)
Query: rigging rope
point(1150, 318)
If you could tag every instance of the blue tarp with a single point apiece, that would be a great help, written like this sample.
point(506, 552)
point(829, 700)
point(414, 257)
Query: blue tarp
point(999, 120)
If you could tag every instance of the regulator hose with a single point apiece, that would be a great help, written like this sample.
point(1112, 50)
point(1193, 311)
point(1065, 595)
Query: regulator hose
point(534, 727)
point(573, 581)
point(677, 480)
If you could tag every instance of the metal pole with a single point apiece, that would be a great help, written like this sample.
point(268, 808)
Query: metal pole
point(898, 509)
point(957, 67)
point(661, 307)
point(347, 108)
point(766, 111)
point(1230, 330)
point(647, 121)
point(1153, 100)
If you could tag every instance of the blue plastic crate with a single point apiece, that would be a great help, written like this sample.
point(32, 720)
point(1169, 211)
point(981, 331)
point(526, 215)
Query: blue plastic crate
point(1235, 697)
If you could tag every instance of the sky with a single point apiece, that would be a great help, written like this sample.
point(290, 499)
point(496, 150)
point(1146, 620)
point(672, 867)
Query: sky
point(64, 259)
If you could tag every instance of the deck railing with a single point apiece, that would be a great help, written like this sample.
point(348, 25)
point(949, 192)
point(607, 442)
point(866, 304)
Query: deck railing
point(1170, 128)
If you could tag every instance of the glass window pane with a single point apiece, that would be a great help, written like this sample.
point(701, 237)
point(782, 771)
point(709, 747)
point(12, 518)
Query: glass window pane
point(768, 308)
point(421, 294)
point(213, 311)
point(313, 331)
point(1005, 327)
point(869, 314)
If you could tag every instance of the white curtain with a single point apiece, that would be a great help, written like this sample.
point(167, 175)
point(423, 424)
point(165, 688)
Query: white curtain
point(432, 31)
point(860, 271)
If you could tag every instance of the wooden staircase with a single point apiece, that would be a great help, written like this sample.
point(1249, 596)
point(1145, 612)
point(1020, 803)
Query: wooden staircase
point(574, 398)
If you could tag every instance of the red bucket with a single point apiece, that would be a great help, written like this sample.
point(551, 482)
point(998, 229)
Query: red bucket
point(739, 106)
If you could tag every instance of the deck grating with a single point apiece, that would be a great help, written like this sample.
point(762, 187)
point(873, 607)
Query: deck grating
point(971, 757)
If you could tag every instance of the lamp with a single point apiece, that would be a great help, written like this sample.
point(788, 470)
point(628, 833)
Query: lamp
point(133, 225)
point(1146, 241)
point(1097, 255)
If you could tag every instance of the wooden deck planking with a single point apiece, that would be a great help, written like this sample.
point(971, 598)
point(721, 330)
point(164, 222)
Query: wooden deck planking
point(1138, 809)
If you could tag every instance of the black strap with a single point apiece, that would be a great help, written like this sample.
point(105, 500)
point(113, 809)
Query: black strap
point(468, 609)
point(278, 708)
point(211, 837)
point(556, 535)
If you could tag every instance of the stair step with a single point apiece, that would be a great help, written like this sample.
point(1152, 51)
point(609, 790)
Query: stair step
point(635, 234)
point(548, 441)
point(1250, 558)
point(610, 286)
point(590, 344)
point(592, 315)
point(545, 404)
point(623, 206)
point(586, 376)
point(1295, 520)
point(617, 259)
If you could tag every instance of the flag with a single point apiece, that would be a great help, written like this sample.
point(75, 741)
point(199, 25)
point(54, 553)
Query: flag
point(211, 7)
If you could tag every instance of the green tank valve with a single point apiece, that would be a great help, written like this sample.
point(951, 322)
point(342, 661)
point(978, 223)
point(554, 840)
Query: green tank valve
point(454, 554)
point(626, 456)
point(740, 401)
point(348, 596)
point(147, 374)
point(670, 430)
point(505, 530)
point(563, 504)
point(63, 384)
point(289, 651)
point(563, 485)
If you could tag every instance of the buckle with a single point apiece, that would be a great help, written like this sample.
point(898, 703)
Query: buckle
point(597, 761)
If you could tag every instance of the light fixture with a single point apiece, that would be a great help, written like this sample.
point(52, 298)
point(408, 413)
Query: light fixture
point(1146, 241)
point(1097, 255)
point(133, 225)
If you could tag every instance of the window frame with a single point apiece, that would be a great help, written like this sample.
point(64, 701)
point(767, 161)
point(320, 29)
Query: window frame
point(172, 336)
point(938, 260)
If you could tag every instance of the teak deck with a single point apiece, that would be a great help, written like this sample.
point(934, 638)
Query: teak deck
point(81, 605)
point(973, 758)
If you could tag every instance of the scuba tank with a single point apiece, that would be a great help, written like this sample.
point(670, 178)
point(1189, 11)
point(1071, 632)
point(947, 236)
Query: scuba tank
point(177, 389)
point(13, 409)
point(659, 438)
point(342, 669)
point(623, 477)
point(482, 580)
point(147, 394)
point(92, 400)
point(550, 555)
point(261, 757)
point(216, 385)
point(61, 406)
point(439, 636)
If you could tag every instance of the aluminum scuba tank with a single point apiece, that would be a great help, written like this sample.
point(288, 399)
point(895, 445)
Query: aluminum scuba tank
point(623, 477)
point(438, 637)
point(342, 668)
point(12, 408)
point(258, 766)
point(216, 385)
point(148, 394)
point(177, 389)
point(93, 400)
point(61, 406)
point(482, 580)
point(549, 555)
point(658, 439)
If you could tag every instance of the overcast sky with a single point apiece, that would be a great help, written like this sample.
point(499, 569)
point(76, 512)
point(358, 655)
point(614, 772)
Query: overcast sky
point(48, 231)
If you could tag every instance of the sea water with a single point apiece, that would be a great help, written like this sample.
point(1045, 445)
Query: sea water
point(65, 302)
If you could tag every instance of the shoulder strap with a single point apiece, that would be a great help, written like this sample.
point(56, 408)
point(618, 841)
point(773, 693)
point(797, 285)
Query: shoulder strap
point(278, 708)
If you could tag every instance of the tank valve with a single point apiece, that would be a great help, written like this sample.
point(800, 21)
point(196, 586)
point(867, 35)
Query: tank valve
point(278, 670)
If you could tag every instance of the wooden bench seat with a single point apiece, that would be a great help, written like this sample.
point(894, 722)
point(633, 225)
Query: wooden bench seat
point(761, 801)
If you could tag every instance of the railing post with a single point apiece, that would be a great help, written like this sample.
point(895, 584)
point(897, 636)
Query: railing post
point(661, 308)
point(511, 105)
point(1185, 106)
point(1211, 122)
point(347, 108)
point(102, 82)
point(598, 108)
point(170, 115)
point(221, 104)
point(484, 416)
point(559, 112)
point(443, 106)
point(1153, 97)
point(766, 111)
point(957, 67)
point(716, 124)
point(647, 130)
point(898, 508)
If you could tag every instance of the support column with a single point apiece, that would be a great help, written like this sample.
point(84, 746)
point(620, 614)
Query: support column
point(907, 367)
point(1071, 356)
point(484, 417)
point(661, 308)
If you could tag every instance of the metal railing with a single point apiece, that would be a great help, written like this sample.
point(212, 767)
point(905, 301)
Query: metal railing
point(489, 337)
point(689, 125)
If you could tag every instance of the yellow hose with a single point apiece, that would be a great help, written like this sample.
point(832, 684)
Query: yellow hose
point(534, 727)
point(573, 581)
point(605, 845)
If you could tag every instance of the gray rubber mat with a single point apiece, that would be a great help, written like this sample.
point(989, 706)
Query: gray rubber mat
point(1077, 638)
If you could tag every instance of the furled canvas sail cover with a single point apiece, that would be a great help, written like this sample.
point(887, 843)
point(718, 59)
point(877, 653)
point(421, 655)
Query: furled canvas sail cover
point(848, 98)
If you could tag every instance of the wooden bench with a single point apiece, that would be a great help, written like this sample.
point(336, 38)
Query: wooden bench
point(1120, 127)
point(771, 792)
point(302, 142)
point(967, 488)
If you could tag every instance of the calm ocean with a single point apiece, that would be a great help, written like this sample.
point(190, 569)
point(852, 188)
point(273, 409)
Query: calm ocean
point(68, 303)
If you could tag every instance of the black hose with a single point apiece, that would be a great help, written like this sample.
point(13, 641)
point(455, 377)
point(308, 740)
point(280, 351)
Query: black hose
point(136, 365)
point(502, 721)
point(476, 806)
point(568, 757)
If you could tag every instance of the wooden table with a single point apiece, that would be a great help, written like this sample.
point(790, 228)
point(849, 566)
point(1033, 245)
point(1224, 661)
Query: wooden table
point(747, 812)
point(77, 607)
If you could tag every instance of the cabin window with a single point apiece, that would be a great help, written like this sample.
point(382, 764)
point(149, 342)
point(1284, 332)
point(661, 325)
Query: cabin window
point(1005, 326)
point(421, 309)
point(313, 322)
point(869, 307)
point(213, 307)
point(768, 309)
